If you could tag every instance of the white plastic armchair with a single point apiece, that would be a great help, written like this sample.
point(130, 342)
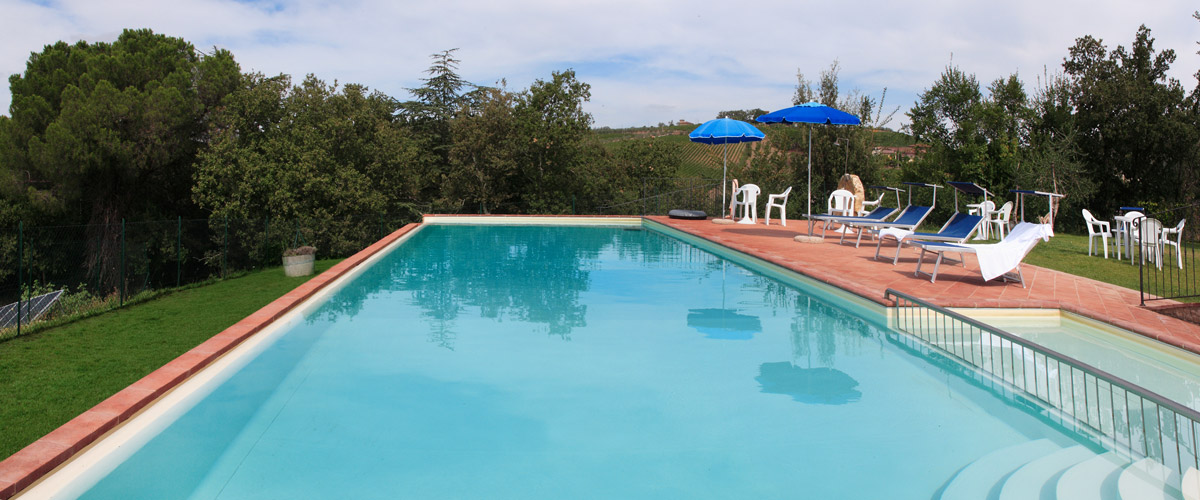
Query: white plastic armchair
point(868, 205)
point(1148, 235)
point(1000, 218)
point(841, 202)
point(1177, 233)
point(778, 201)
point(746, 197)
point(1096, 228)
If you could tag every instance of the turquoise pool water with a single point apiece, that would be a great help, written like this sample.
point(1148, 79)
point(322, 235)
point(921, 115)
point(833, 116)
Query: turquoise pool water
point(577, 362)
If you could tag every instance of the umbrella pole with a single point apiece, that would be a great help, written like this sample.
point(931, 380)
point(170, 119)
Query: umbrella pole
point(724, 168)
point(810, 170)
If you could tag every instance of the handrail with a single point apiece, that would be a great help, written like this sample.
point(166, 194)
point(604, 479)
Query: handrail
point(1057, 374)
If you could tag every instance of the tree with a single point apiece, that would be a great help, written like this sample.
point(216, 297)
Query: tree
point(307, 151)
point(106, 131)
point(483, 159)
point(435, 104)
point(1135, 132)
point(553, 125)
point(746, 115)
point(112, 130)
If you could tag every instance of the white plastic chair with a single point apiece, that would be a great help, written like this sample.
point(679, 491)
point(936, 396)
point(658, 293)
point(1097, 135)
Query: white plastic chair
point(746, 197)
point(1177, 232)
point(1148, 236)
point(778, 201)
point(1096, 228)
point(841, 202)
point(870, 205)
point(1124, 232)
point(1001, 219)
point(985, 210)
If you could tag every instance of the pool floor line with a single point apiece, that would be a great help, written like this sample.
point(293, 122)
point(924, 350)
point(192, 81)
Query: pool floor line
point(31, 463)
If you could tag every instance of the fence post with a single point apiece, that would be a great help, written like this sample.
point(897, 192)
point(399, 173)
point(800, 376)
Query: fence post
point(266, 244)
point(121, 284)
point(225, 250)
point(178, 251)
point(20, 266)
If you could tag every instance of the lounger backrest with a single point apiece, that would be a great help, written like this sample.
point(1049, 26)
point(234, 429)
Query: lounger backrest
point(961, 225)
point(880, 213)
point(912, 216)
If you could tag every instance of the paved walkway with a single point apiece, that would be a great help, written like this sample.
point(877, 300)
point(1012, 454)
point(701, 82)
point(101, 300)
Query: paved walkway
point(857, 271)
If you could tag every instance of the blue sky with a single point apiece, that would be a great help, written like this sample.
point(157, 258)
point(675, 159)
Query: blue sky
point(647, 61)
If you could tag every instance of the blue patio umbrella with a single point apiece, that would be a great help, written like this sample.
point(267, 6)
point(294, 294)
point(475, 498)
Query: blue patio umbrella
point(810, 112)
point(725, 131)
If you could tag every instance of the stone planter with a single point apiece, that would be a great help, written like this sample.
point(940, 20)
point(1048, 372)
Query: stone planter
point(298, 265)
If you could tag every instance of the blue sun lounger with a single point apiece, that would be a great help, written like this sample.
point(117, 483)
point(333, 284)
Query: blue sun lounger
point(996, 260)
point(879, 214)
point(958, 229)
point(910, 219)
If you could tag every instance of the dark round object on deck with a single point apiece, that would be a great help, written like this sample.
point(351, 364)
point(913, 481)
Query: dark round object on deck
point(687, 214)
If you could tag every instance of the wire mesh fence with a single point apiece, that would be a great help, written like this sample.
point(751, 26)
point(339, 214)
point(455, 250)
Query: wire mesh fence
point(108, 264)
point(661, 195)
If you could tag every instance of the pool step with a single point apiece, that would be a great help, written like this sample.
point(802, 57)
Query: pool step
point(1149, 480)
point(976, 480)
point(1042, 470)
point(1031, 480)
point(1094, 478)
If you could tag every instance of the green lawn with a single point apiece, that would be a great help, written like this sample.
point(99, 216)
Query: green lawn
point(1069, 253)
point(49, 377)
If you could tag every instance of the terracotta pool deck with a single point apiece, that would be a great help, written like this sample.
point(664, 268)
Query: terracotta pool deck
point(846, 267)
point(857, 271)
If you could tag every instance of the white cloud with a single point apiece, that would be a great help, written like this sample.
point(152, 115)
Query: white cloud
point(647, 62)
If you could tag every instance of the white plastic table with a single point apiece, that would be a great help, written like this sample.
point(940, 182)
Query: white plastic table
point(1124, 232)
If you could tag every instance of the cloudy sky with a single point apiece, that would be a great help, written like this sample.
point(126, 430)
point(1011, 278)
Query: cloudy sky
point(648, 61)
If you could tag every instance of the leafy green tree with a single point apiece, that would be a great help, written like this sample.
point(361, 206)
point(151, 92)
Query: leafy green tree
point(553, 126)
point(306, 151)
point(746, 115)
point(101, 132)
point(483, 159)
point(947, 116)
point(1135, 132)
point(111, 130)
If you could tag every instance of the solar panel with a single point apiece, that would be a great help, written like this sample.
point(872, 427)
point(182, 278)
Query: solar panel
point(31, 309)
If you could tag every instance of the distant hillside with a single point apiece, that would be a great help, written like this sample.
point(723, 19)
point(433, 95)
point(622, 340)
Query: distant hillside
point(703, 160)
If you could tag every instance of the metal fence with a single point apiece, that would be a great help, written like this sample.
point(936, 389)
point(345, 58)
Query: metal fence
point(1164, 245)
point(108, 264)
point(1126, 417)
point(661, 195)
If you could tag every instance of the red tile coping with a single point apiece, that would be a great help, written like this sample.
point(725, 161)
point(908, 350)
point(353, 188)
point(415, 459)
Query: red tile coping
point(23, 468)
point(856, 270)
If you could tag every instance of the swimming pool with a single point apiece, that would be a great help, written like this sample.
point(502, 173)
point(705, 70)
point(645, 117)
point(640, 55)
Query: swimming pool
point(600, 362)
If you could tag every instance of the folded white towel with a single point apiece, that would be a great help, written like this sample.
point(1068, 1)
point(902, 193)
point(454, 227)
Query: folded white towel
point(998, 258)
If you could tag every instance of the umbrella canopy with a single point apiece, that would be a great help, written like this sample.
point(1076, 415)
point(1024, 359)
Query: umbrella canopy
point(825, 386)
point(725, 324)
point(810, 112)
point(725, 131)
